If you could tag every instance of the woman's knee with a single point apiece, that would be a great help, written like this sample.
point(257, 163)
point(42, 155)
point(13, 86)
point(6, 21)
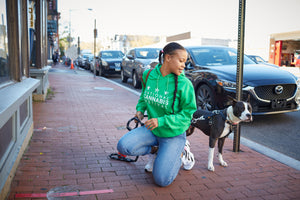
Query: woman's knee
point(163, 180)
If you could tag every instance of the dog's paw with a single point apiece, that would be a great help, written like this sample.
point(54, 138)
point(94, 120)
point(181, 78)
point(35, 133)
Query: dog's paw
point(223, 163)
point(211, 168)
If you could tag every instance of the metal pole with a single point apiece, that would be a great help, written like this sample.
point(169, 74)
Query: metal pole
point(239, 69)
point(69, 28)
point(95, 36)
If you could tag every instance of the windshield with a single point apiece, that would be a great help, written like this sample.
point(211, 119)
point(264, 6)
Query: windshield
point(147, 53)
point(216, 56)
point(112, 54)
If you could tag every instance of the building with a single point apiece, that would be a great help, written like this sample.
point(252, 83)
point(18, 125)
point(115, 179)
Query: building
point(23, 75)
point(284, 48)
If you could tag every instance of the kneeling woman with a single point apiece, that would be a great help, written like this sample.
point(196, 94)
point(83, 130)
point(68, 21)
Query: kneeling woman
point(169, 98)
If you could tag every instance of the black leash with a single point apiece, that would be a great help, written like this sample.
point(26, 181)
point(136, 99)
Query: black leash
point(122, 157)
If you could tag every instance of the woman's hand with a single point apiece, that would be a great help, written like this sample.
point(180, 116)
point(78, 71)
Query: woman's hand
point(139, 115)
point(151, 123)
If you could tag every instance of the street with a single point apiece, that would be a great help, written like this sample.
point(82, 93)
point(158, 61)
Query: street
point(278, 132)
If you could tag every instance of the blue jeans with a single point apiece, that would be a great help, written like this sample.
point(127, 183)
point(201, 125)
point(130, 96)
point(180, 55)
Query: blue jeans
point(138, 142)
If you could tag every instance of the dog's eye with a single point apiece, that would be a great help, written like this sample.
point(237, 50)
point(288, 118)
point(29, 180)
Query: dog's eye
point(249, 108)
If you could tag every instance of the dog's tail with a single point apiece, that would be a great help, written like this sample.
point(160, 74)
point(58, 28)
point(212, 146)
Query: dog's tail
point(190, 130)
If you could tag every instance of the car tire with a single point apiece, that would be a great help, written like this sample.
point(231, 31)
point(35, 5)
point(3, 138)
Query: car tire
point(135, 80)
point(123, 77)
point(205, 98)
point(101, 73)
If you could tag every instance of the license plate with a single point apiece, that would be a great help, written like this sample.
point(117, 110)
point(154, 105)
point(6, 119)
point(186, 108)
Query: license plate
point(117, 69)
point(278, 103)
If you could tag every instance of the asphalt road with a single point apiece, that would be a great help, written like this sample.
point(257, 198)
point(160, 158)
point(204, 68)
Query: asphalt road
point(280, 132)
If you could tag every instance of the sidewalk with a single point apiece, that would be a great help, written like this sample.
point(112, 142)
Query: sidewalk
point(79, 126)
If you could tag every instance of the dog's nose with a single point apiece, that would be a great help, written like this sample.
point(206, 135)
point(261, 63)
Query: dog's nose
point(248, 116)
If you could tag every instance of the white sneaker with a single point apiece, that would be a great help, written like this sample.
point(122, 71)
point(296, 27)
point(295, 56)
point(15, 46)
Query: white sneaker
point(187, 158)
point(149, 165)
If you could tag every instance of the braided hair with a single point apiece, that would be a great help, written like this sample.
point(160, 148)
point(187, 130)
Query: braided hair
point(170, 49)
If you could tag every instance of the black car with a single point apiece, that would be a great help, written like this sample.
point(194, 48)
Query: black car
point(135, 62)
point(212, 71)
point(260, 60)
point(85, 59)
point(88, 61)
point(109, 62)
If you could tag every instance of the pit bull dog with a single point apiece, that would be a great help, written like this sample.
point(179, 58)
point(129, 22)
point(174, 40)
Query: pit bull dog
point(218, 125)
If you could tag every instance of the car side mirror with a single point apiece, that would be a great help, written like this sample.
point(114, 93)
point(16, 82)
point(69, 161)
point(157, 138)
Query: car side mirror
point(189, 66)
point(130, 57)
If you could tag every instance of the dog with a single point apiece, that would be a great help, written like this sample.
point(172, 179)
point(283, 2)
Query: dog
point(218, 124)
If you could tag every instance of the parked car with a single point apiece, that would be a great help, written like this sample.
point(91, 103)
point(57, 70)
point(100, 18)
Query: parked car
point(212, 71)
point(135, 62)
point(88, 61)
point(79, 61)
point(85, 59)
point(260, 60)
point(109, 62)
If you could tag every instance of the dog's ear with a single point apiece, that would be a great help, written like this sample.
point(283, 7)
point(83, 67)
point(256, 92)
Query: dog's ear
point(190, 130)
point(234, 101)
point(248, 99)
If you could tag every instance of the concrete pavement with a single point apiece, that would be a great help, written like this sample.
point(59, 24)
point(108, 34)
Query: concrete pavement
point(79, 126)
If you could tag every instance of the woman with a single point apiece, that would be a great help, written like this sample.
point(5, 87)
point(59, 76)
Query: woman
point(168, 96)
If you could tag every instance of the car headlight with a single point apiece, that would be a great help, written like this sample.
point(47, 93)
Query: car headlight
point(144, 66)
point(104, 63)
point(227, 84)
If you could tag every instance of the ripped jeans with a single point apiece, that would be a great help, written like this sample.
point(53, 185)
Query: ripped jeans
point(139, 141)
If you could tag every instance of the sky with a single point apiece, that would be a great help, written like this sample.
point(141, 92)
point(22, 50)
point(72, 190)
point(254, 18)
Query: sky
point(204, 18)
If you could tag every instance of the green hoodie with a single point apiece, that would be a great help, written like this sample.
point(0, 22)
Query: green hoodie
point(157, 99)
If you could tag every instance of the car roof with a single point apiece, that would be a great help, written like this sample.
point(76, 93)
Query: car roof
point(110, 50)
point(207, 46)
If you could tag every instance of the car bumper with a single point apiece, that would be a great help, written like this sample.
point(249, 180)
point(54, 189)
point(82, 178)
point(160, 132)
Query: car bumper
point(262, 106)
point(112, 69)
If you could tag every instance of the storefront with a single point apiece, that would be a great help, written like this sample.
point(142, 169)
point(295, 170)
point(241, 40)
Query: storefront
point(23, 74)
point(284, 48)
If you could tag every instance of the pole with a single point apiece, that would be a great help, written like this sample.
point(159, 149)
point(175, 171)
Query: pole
point(239, 69)
point(95, 36)
point(69, 28)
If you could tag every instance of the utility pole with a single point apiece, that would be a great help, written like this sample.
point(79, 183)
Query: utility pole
point(95, 36)
point(239, 69)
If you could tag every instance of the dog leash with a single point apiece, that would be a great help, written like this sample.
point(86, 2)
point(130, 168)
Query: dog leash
point(122, 157)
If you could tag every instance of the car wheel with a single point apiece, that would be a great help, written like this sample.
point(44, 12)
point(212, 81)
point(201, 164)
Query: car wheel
point(123, 77)
point(205, 98)
point(136, 83)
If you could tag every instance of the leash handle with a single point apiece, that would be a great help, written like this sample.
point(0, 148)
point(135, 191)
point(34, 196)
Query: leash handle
point(137, 121)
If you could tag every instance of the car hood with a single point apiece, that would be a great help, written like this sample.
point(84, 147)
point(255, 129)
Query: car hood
point(145, 61)
point(256, 74)
point(112, 59)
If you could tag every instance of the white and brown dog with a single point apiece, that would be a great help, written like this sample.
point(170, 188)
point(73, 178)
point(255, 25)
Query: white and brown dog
point(218, 125)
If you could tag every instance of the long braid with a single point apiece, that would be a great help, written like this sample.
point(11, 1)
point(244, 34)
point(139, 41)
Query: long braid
point(175, 92)
point(169, 49)
point(159, 56)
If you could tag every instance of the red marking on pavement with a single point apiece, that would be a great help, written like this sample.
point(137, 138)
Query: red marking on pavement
point(65, 194)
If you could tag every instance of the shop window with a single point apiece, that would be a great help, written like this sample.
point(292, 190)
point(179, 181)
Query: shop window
point(24, 114)
point(4, 69)
point(6, 137)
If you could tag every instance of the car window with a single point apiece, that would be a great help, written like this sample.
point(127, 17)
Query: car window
point(259, 59)
point(131, 52)
point(147, 53)
point(112, 54)
point(216, 56)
